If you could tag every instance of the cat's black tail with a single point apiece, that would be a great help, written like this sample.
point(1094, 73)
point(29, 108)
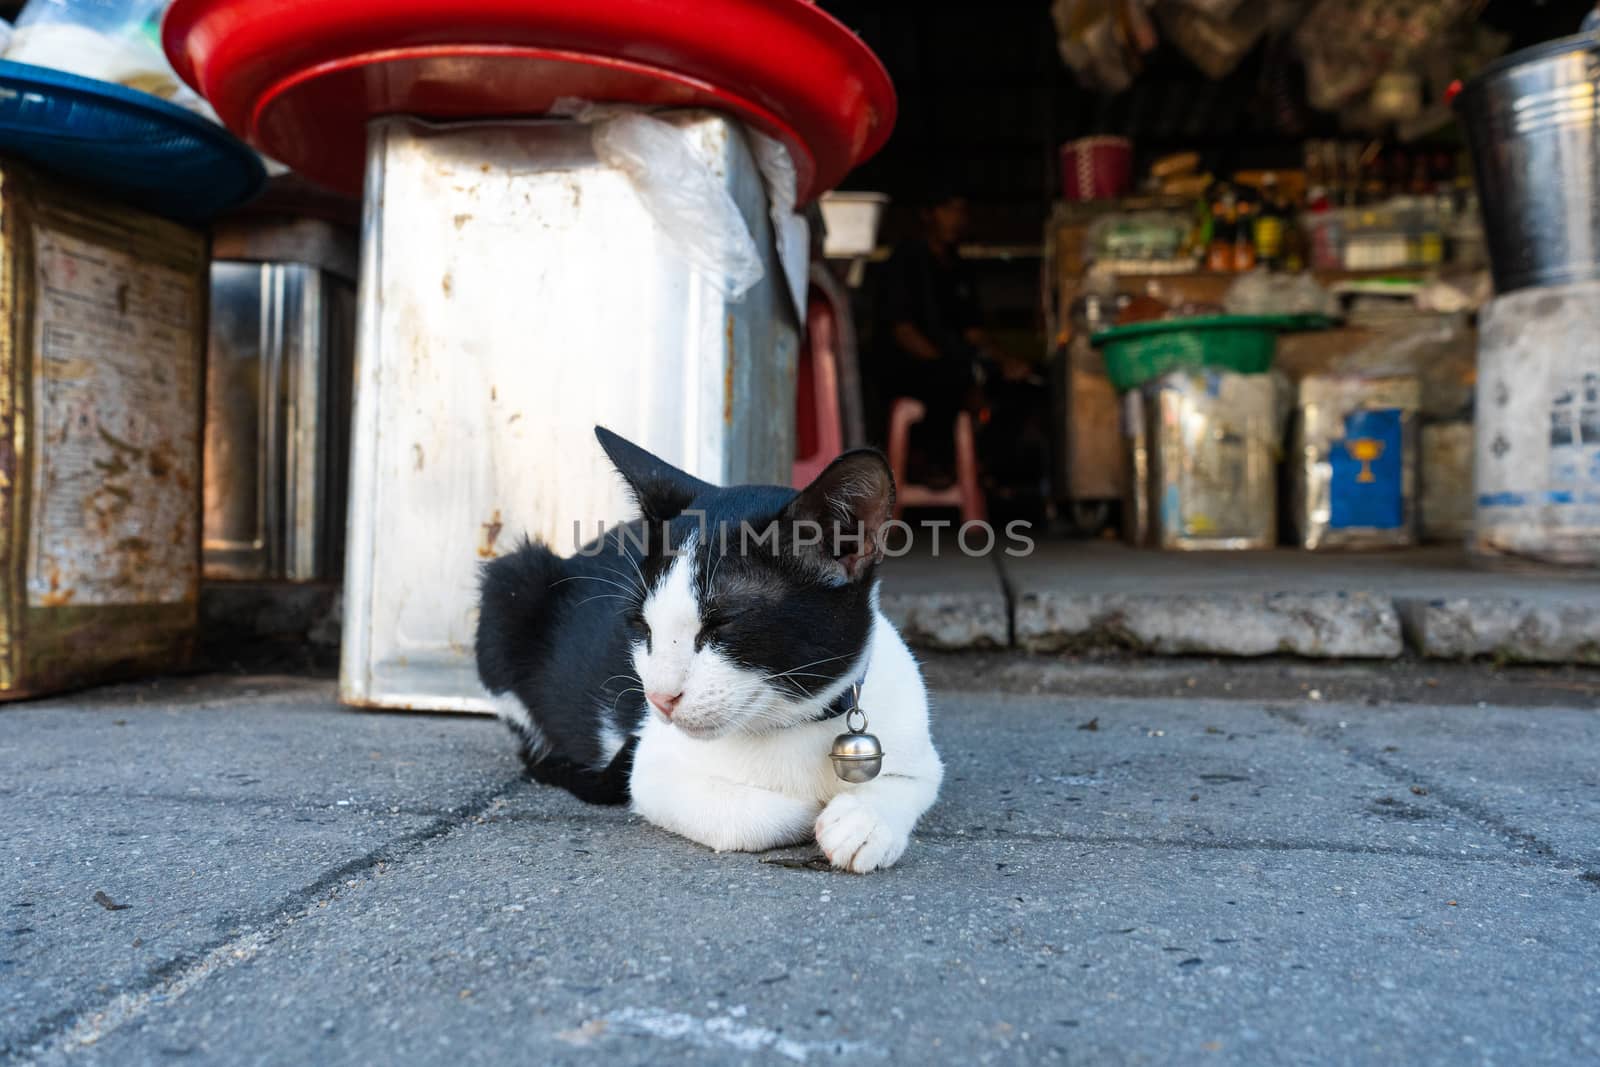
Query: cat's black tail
point(515, 608)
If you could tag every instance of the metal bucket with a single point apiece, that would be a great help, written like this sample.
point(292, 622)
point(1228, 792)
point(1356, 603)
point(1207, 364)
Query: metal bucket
point(1533, 119)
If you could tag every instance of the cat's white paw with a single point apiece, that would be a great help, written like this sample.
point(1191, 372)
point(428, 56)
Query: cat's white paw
point(855, 838)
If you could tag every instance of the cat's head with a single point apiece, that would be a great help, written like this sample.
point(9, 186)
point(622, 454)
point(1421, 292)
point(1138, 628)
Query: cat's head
point(753, 604)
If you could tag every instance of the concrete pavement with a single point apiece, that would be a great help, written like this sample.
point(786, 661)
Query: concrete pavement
point(236, 870)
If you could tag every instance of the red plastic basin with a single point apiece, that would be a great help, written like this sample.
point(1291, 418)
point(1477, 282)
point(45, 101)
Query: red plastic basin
point(300, 78)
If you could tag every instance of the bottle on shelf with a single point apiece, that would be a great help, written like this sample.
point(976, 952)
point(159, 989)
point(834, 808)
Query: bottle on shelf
point(1224, 217)
point(1244, 236)
point(1349, 174)
point(1295, 250)
point(1320, 170)
point(1269, 224)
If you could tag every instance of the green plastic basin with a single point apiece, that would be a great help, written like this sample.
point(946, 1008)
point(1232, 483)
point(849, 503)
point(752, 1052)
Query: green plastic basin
point(1136, 353)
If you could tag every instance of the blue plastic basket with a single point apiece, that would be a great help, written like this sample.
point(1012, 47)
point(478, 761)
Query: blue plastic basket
point(132, 146)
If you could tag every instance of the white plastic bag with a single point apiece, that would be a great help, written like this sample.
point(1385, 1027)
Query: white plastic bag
point(115, 41)
point(790, 231)
point(1263, 292)
point(682, 193)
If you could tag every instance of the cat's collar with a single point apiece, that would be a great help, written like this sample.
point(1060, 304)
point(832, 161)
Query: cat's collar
point(849, 700)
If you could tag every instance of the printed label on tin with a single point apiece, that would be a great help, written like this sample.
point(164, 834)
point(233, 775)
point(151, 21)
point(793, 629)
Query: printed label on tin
point(1575, 441)
point(116, 461)
point(1367, 487)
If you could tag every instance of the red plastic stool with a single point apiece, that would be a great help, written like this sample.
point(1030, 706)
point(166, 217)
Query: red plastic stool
point(819, 427)
point(965, 494)
point(299, 79)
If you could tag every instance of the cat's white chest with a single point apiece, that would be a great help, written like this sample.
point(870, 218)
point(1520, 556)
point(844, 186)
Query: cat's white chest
point(793, 761)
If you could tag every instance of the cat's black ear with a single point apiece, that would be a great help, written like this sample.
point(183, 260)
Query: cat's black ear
point(662, 490)
point(850, 502)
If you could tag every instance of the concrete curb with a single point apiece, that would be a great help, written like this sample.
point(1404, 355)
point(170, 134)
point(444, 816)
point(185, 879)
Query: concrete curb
point(1503, 628)
point(947, 622)
point(1429, 606)
point(1317, 625)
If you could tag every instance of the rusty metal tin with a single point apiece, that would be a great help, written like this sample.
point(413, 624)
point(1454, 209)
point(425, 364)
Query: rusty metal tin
point(1214, 444)
point(1444, 496)
point(102, 316)
point(1355, 468)
point(515, 292)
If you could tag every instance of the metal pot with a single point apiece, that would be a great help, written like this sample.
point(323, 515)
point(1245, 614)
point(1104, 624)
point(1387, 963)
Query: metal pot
point(1533, 119)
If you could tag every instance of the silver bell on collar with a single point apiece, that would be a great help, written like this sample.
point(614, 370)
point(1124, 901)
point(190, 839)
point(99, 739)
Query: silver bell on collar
point(857, 756)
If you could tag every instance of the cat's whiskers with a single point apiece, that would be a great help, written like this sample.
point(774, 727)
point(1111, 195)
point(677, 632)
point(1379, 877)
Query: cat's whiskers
point(717, 563)
point(591, 578)
point(752, 712)
point(770, 715)
point(605, 596)
point(644, 586)
point(625, 692)
point(813, 663)
point(791, 675)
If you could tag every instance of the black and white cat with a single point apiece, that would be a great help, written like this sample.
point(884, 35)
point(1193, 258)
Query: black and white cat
point(697, 662)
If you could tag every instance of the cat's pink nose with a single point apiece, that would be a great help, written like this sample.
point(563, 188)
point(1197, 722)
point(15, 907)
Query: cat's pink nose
point(664, 703)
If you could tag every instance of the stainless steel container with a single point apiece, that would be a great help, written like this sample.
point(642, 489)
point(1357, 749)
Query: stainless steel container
point(1136, 523)
point(1444, 500)
point(1533, 119)
point(101, 335)
point(514, 293)
point(1214, 445)
point(1354, 471)
point(1538, 417)
point(278, 375)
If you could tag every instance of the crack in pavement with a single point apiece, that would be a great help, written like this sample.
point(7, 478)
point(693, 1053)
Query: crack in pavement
point(1464, 806)
point(61, 1034)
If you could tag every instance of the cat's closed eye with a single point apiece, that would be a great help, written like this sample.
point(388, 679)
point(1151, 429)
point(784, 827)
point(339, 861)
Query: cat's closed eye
point(708, 628)
point(636, 623)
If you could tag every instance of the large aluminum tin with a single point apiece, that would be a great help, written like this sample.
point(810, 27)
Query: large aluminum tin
point(1533, 119)
point(101, 338)
point(1538, 418)
point(1136, 520)
point(514, 293)
point(1324, 401)
point(278, 370)
point(1444, 493)
point(1214, 444)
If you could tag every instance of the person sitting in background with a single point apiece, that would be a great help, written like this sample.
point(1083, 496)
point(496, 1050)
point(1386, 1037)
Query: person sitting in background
point(932, 330)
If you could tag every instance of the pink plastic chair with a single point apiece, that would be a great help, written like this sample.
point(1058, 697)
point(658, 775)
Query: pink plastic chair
point(820, 428)
point(964, 494)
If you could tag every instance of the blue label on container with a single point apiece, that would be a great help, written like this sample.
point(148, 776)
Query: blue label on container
point(1369, 472)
